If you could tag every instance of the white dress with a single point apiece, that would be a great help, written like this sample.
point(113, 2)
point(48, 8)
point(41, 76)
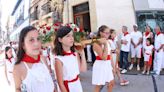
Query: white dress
point(70, 72)
point(148, 52)
point(113, 44)
point(9, 69)
point(102, 71)
point(38, 79)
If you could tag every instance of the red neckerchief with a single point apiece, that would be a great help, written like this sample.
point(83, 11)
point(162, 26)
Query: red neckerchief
point(147, 33)
point(68, 53)
point(126, 33)
point(29, 59)
point(112, 39)
point(158, 33)
point(9, 59)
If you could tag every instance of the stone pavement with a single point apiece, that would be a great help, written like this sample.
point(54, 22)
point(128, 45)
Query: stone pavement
point(138, 83)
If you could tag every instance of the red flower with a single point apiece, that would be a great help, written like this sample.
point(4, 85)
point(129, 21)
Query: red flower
point(81, 30)
point(56, 24)
point(55, 29)
point(44, 32)
point(75, 29)
point(41, 26)
point(48, 27)
point(68, 25)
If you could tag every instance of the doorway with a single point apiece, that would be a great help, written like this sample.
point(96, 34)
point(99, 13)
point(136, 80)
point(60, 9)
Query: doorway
point(82, 16)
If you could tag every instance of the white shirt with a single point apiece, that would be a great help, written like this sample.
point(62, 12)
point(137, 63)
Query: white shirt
point(159, 40)
point(136, 36)
point(126, 47)
point(149, 49)
point(113, 43)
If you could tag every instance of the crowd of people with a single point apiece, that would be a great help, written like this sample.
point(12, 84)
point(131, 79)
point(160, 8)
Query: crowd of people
point(34, 68)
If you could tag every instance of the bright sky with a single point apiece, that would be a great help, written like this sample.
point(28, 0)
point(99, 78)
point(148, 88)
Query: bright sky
point(7, 8)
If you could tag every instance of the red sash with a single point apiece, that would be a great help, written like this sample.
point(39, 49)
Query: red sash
point(99, 58)
point(149, 63)
point(68, 81)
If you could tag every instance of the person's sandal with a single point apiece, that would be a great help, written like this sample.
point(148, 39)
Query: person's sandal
point(124, 83)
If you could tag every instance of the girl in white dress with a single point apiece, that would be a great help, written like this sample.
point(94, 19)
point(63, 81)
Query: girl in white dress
point(9, 65)
point(148, 51)
point(113, 40)
point(30, 71)
point(103, 66)
point(68, 63)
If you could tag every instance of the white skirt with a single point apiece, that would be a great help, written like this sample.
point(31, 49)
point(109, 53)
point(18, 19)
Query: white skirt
point(146, 57)
point(75, 86)
point(102, 72)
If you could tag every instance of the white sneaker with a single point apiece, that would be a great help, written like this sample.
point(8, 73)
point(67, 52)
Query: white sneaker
point(131, 66)
point(138, 68)
point(147, 73)
point(143, 72)
point(124, 71)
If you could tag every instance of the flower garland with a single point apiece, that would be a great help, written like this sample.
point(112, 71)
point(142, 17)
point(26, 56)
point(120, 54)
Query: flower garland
point(79, 34)
point(47, 32)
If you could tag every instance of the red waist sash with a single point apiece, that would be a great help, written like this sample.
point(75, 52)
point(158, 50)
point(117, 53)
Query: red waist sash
point(99, 58)
point(68, 81)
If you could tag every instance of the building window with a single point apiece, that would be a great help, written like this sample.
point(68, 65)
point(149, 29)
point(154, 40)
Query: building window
point(151, 18)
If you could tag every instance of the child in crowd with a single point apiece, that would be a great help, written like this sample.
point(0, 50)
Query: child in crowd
point(31, 72)
point(114, 50)
point(9, 65)
point(148, 51)
point(68, 62)
point(102, 68)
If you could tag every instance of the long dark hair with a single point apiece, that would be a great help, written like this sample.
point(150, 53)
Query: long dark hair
point(22, 36)
point(6, 49)
point(62, 31)
point(111, 32)
point(101, 29)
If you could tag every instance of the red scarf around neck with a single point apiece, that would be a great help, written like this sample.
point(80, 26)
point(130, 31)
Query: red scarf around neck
point(147, 33)
point(9, 60)
point(68, 53)
point(158, 33)
point(30, 59)
point(126, 33)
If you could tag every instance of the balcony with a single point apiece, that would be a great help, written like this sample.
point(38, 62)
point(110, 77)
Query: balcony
point(34, 15)
point(46, 8)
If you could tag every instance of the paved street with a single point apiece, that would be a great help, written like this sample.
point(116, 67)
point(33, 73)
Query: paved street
point(138, 83)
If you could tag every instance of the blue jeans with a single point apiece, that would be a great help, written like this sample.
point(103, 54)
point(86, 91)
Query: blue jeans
point(124, 60)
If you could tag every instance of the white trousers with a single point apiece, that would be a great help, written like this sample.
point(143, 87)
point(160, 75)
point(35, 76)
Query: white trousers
point(158, 61)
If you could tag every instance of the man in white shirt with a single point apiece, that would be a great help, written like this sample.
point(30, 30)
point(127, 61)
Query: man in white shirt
point(136, 45)
point(125, 48)
point(159, 44)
